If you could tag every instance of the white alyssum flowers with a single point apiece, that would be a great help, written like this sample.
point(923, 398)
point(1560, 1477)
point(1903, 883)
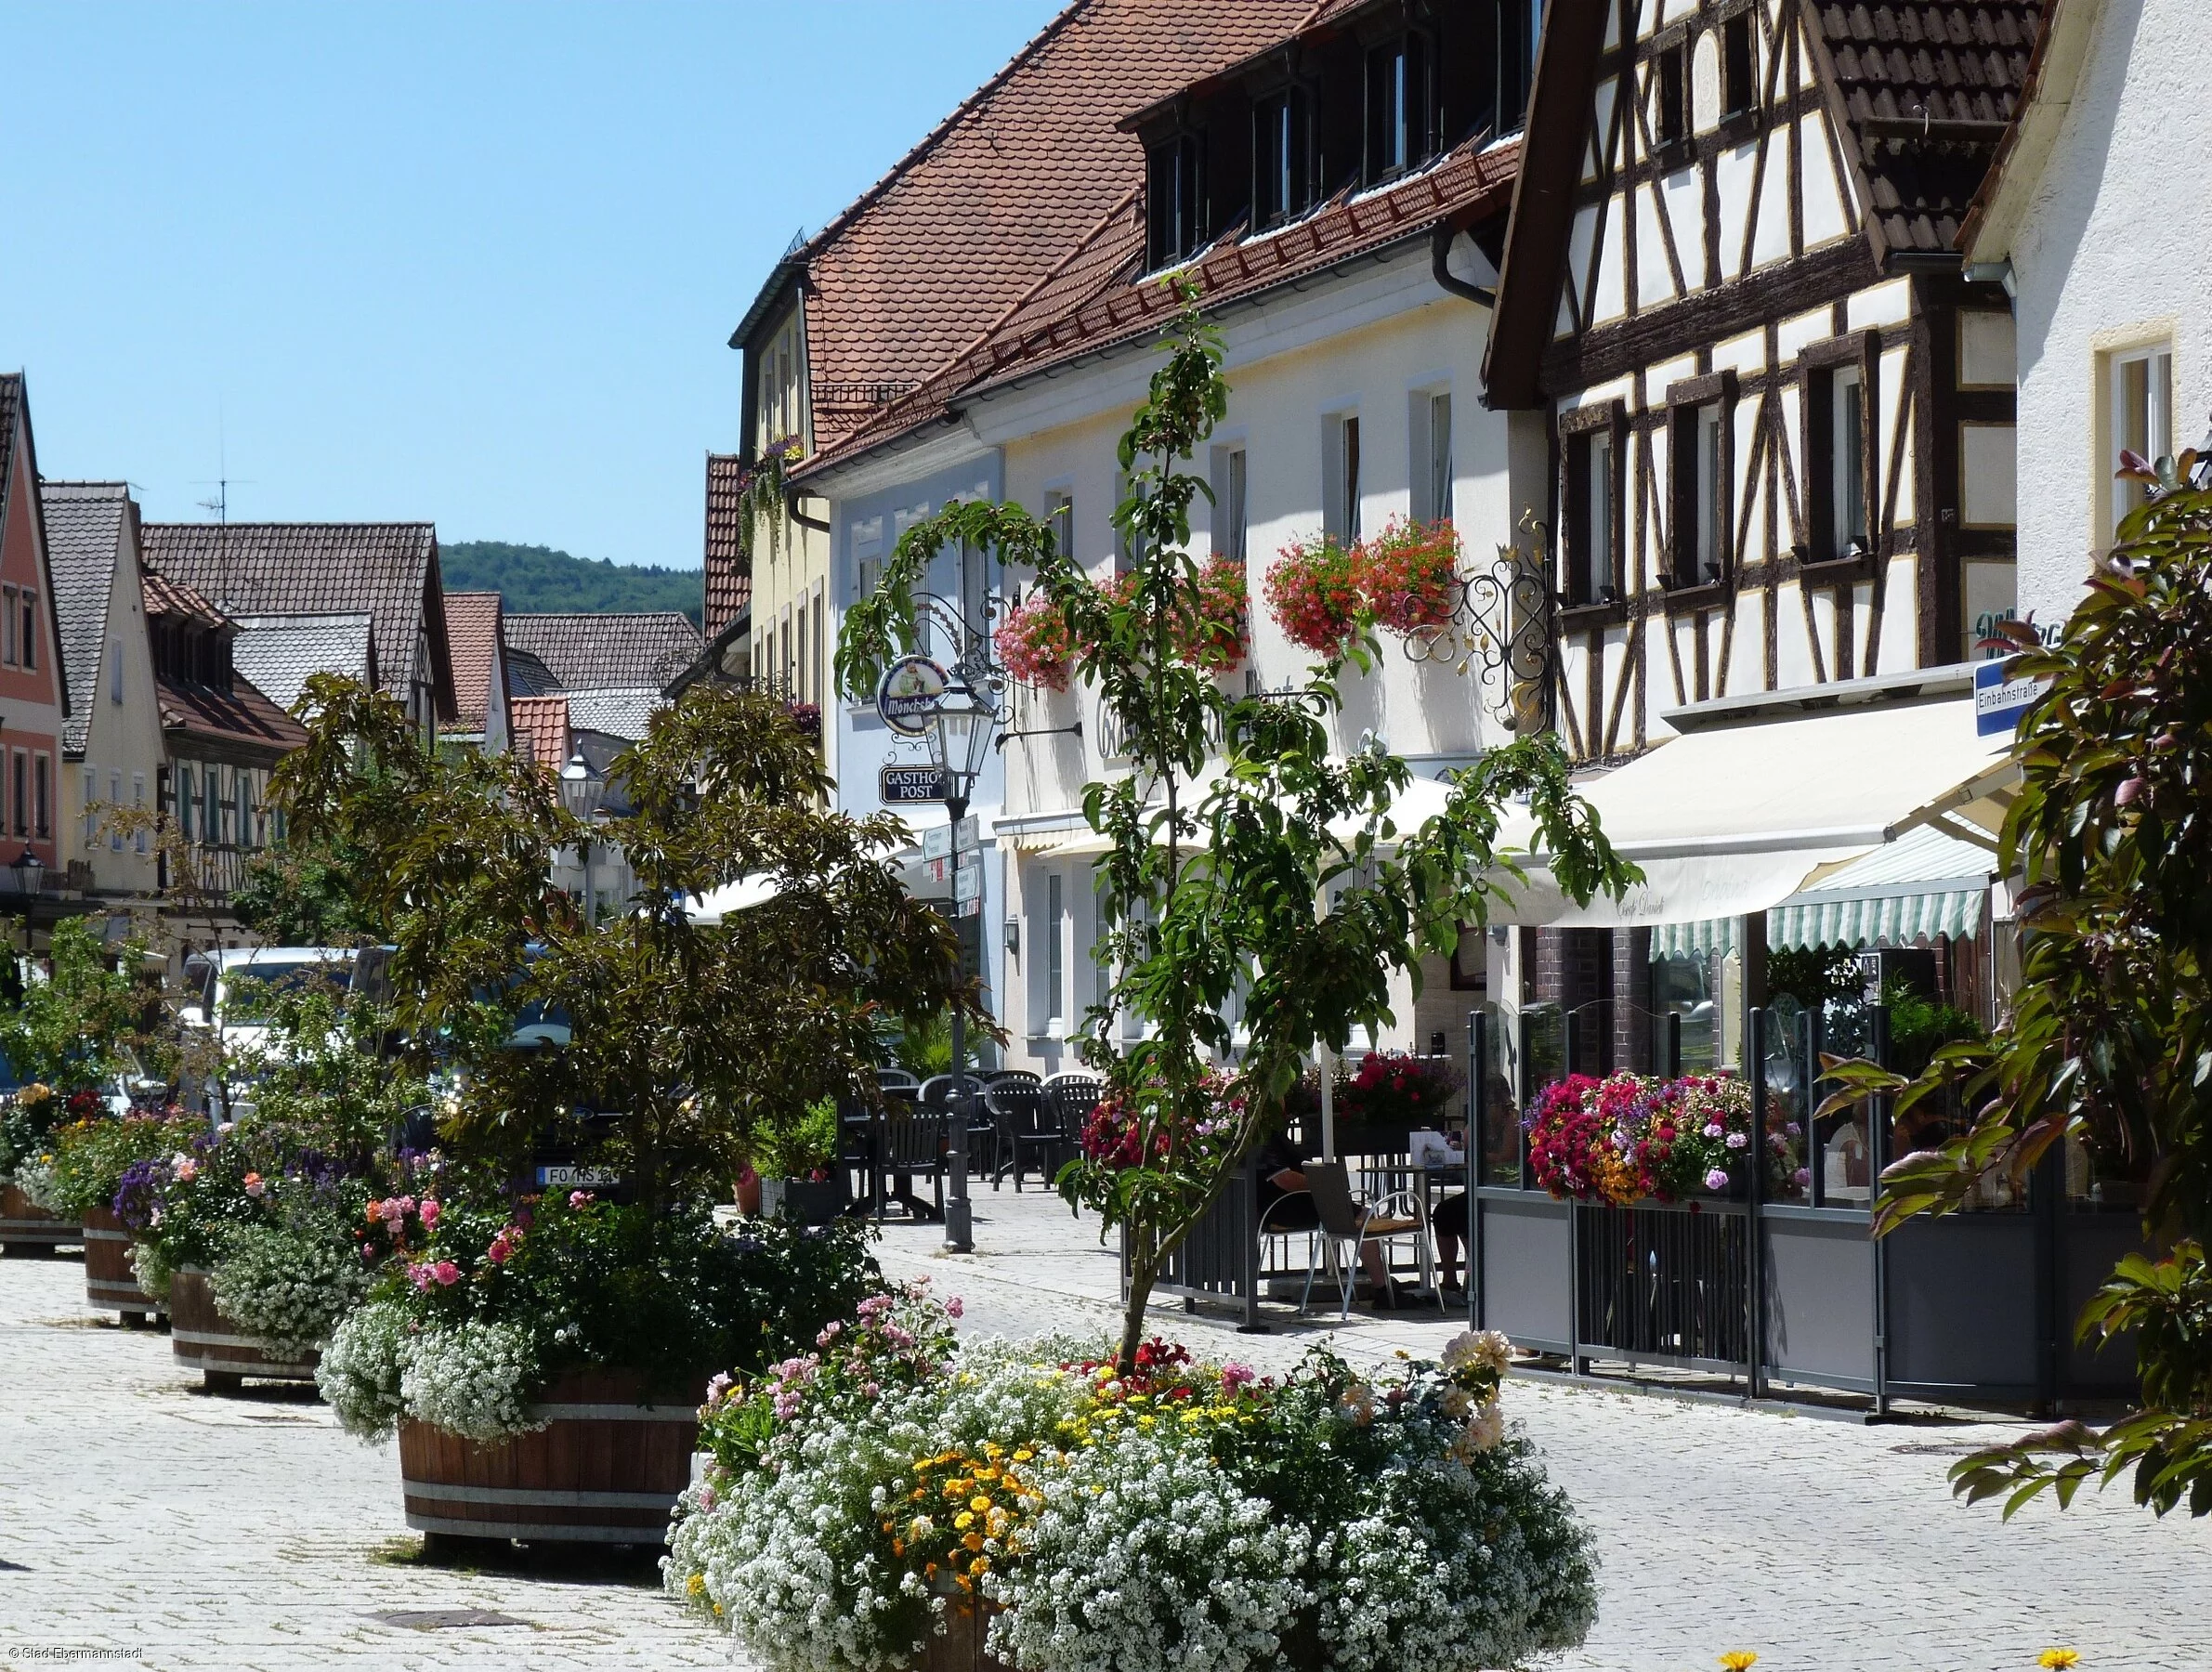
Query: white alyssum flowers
point(474, 1380)
point(287, 1290)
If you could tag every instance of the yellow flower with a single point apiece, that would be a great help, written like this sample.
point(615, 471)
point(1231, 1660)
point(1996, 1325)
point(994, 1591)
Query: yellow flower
point(1739, 1660)
point(696, 1584)
point(1024, 1456)
point(980, 1503)
point(963, 1521)
point(2057, 1660)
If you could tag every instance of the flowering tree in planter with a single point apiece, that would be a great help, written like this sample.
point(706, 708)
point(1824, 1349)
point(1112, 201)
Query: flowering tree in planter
point(692, 1044)
point(1278, 875)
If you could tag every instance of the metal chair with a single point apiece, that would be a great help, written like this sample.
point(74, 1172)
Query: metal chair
point(1026, 1125)
point(939, 1092)
point(1347, 1227)
point(914, 1143)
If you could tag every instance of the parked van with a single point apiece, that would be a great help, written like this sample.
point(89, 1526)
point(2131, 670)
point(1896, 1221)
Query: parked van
point(236, 987)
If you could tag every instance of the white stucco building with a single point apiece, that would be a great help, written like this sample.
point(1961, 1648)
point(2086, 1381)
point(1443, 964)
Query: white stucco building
point(2097, 218)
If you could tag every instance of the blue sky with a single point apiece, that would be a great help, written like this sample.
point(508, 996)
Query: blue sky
point(476, 262)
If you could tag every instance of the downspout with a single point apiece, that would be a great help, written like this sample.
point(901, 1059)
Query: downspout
point(1440, 249)
point(791, 507)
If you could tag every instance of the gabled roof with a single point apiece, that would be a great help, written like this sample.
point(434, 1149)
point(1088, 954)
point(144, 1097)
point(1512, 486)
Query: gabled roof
point(278, 652)
point(240, 716)
point(387, 569)
point(473, 642)
point(1096, 299)
point(84, 524)
point(539, 730)
point(728, 571)
point(176, 601)
point(15, 415)
point(991, 199)
point(1919, 93)
point(585, 652)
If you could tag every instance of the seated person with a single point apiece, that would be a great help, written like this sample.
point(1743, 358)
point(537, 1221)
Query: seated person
point(1284, 1206)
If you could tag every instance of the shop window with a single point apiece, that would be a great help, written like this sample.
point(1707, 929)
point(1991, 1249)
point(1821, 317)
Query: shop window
point(1174, 191)
point(1739, 71)
point(1699, 448)
point(2140, 419)
point(1282, 157)
point(1670, 75)
point(1593, 505)
point(1401, 108)
point(1839, 447)
point(1683, 986)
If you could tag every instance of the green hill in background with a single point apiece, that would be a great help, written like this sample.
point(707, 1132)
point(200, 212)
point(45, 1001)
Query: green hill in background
point(537, 580)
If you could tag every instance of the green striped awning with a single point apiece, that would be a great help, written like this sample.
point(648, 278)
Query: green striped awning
point(1700, 939)
point(1922, 885)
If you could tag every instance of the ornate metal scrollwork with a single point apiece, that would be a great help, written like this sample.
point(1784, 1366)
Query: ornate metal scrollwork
point(1500, 631)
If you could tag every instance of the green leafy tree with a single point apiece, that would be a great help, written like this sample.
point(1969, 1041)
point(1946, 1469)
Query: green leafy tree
point(706, 1039)
point(2110, 1039)
point(87, 1021)
point(1267, 870)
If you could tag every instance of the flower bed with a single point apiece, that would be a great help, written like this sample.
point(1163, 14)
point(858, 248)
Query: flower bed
point(891, 1485)
point(1407, 575)
point(1313, 596)
point(1629, 1136)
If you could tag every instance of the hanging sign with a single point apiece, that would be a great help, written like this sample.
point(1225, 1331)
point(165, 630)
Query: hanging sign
point(902, 786)
point(967, 884)
point(912, 692)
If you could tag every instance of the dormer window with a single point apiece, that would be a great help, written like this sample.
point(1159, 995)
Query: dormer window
point(1174, 200)
point(1401, 108)
point(1282, 157)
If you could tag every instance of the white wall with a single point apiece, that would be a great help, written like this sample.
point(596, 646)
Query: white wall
point(2112, 251)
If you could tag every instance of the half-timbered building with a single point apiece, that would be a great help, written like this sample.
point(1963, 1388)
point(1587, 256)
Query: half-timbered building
point(1782, 418)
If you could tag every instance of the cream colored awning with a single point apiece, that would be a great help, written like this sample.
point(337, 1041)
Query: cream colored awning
point(1736, 817)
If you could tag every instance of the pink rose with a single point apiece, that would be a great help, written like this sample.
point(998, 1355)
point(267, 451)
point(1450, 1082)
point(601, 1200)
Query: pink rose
point(419, 1276)
point(499, 1251)
point(953, 1308)
point(578, 1199)
point(447, 1273)
point(430, 1210)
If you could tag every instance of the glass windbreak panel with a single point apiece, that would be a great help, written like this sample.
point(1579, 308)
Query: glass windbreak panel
point(1544, 1053)
point(1683, 986)
point(2104, 1175)
point(1787, 1104)
point(1499, 1108)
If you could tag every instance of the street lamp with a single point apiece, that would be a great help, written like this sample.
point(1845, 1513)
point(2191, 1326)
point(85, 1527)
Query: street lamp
point(960, 737)
point(583, 791)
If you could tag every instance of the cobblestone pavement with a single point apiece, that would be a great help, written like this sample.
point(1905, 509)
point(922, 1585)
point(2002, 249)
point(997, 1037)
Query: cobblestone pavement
point(153, 1525)
point(1824, 1546)
point(145, 1523)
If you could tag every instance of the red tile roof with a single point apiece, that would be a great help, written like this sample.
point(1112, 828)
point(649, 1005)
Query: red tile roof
point(167, 597)
point(472, 643)
point(241, 714)
point(991, 200)
point(729, 569)
point(539, 730)
point(1097, 298)
point(1923, 94)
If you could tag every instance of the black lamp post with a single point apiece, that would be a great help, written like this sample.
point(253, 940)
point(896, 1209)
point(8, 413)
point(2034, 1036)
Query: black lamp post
point(959, 739)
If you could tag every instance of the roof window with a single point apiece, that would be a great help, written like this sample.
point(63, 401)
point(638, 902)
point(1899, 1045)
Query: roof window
point(1401, 108)
point(1282, 157)
point(1174, 200)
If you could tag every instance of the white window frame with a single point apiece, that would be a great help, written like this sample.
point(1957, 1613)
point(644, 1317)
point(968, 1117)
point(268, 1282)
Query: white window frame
point(2157, 355)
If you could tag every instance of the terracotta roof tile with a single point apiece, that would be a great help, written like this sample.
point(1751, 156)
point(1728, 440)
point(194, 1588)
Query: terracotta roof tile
point(993, 198)
point(84, 523)
point(587, 652)
point(173, 599)
point(1927, 91)
point(389, 569)
point(729, 569)
point(241, 714)
point(1097, 298)
point(472, 641)
point(539, 729)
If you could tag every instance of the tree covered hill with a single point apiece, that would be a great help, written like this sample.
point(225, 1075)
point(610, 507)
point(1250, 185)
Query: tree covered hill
point(537, 580)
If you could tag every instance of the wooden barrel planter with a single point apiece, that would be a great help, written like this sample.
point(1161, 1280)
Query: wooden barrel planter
point(205, 1340)
point(606, 1471)
point(961, 1649)
point(26, 1228)
point(110, 1282)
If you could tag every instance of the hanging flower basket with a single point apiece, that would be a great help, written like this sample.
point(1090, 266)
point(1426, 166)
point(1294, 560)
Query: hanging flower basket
point(1033, 644)
point(1216, 642)
point(1408, 575)
point(1311, 596)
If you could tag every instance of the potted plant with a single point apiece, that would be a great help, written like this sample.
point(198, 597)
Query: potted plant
point(550, 1347)
point(27, 1121)
point(892, 1496)
point(91, 1158)
point(1628, 1138)
point(696, 1043)
point(1313, 596)
point(799, 1176)
point(1407, 575)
